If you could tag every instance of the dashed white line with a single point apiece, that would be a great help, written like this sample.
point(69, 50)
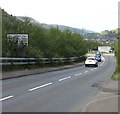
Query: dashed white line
point(101, 64)
point(64, 78)
point(77, 74)
point(85, 71)
point(95, 68)
point(91, 69)
point(6, 98)
point(40, 86)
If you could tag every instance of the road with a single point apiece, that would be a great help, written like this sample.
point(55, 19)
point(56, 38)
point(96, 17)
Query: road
point(65, 90)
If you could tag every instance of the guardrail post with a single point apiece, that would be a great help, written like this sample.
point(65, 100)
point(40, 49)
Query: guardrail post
point(51, 61)
point(68, 60)
point(27, 65)
point(38, 62)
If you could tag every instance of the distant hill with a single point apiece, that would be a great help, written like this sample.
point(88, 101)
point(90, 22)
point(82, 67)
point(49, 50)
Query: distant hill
point(81, 31)
point(61, 27)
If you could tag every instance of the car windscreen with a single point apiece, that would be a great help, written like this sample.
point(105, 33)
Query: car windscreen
point(97, 56)
point(90, 59)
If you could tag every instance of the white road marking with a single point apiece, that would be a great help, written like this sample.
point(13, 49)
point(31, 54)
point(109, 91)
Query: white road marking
point(102, 64)
point(77, 74)
point(40, 86)
point(6, 98)
point(64, 78)
point(85, 71)
point(95, 68)
point(91, 69)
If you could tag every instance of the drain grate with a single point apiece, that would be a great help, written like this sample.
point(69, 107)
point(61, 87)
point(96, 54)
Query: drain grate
point(97, 84)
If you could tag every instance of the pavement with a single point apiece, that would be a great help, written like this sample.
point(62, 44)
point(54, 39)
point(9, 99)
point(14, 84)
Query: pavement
point(106, 100)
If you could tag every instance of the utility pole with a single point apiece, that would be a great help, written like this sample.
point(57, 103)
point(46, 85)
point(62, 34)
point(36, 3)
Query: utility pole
point(82, 31)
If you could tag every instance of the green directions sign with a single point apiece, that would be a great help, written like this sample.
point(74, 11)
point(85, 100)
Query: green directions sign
point(20, 38)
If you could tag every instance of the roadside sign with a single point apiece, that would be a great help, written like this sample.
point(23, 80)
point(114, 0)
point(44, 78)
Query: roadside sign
point(21, 38)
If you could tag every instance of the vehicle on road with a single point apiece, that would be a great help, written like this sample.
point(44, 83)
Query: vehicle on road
point(91, 61)
point(98, 58)
point(98, 54)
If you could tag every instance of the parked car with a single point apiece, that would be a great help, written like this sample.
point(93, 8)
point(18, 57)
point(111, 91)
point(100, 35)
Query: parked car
point(91, 61)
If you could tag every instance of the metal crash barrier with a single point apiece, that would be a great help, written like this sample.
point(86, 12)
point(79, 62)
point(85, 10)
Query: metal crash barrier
point(4, 61)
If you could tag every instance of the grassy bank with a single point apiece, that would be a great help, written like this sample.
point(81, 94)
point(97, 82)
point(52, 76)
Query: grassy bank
point(116, 75)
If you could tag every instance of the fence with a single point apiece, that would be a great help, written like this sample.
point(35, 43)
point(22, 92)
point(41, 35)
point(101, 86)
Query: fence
point(24, 61)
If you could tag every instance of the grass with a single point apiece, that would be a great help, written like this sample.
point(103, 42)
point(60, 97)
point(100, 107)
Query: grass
point(91, 53)
point(116, 75)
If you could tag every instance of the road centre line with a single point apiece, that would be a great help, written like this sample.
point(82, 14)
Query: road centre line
point(77, 74)
point(47, 84)
point(85, 71)
point(91, 69)
point(102, 64)
point(40, 86)
point(95, 68)
point(6, 98)
point(64, 78)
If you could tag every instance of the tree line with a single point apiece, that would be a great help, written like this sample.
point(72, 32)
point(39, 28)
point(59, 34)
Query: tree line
point(43, 42)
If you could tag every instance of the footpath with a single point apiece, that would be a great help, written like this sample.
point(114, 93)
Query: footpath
point(106, 100)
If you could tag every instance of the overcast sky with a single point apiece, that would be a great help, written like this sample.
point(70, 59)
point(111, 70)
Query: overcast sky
point(95, 15)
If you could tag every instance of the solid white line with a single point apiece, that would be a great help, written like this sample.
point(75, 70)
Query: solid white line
point(77, 74)
point(64, 78)
point(40, 86)
point(6, 98)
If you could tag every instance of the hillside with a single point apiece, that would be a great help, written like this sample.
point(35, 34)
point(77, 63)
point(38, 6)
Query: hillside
point(42, 42)
point(61, 27)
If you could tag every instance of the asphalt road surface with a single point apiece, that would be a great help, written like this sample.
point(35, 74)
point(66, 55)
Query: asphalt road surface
point(65, 90)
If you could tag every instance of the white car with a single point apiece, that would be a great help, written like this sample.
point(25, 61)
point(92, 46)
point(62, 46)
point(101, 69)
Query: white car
point(91, 61)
